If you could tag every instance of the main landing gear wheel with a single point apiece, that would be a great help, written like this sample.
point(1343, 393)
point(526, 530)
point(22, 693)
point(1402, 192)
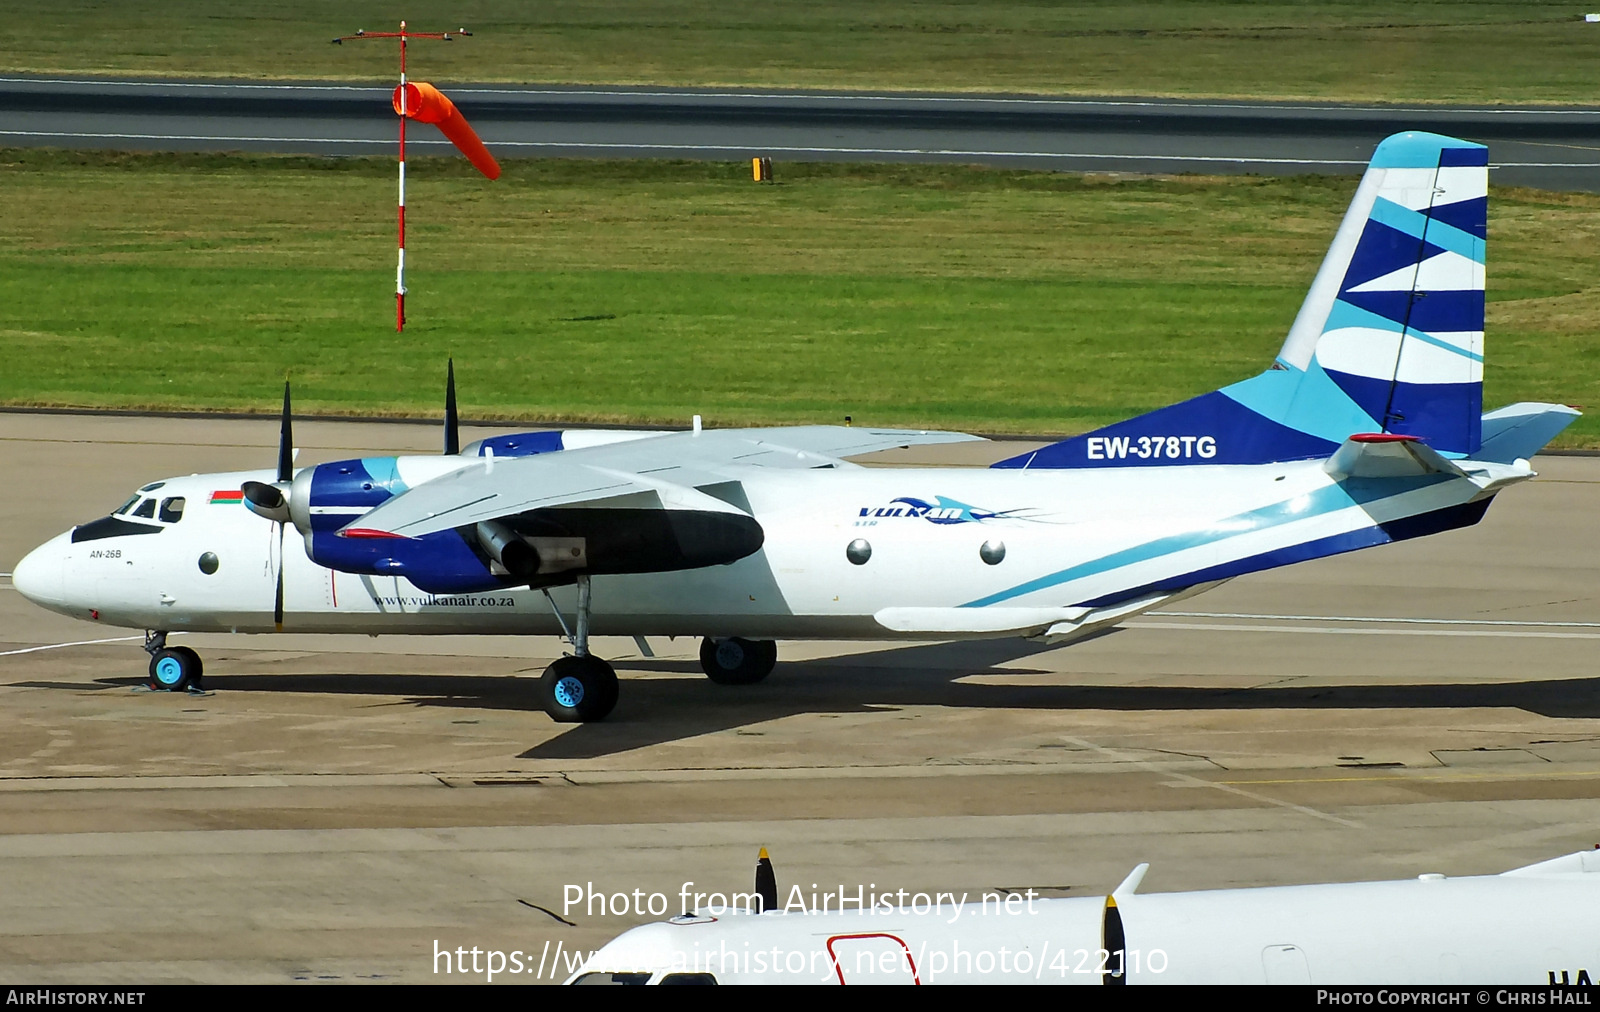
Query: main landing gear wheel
point(175, 669)
point(737, 661)
point(578, 689)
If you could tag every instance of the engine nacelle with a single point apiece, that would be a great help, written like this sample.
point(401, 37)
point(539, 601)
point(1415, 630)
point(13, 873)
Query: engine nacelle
point(329, 496)
point(439, 563)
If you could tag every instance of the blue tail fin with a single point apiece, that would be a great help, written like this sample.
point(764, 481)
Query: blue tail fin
point(1389, 338)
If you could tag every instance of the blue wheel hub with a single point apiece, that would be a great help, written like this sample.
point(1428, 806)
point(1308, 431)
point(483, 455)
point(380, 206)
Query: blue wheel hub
point(169, 671)
point(730, 654)
point(569, 691)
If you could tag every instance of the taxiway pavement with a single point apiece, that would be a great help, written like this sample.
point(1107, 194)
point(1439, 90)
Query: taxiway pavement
point(340, 806)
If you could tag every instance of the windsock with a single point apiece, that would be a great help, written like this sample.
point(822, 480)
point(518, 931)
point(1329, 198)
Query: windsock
point(427, 104)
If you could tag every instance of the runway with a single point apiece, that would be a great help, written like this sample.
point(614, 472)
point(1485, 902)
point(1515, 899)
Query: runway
point(1551, 148)
point(340, 806)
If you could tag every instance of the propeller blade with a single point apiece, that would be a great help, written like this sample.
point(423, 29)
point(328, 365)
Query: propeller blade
point(277, 601)
point(285, 441)
point(452, 422)
point(766, 882)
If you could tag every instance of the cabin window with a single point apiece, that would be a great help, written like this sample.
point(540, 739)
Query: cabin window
point(146, 509)
point(172, 509)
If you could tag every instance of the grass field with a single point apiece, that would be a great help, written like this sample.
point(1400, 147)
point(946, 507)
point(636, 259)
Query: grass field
point(1367, 50)
point(648, 291)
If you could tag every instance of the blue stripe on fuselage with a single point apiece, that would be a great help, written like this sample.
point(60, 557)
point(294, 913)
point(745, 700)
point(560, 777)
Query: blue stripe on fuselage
point(1447, 519)
point(1329, 499)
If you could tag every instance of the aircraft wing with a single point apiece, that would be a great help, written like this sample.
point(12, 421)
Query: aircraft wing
point(663, 472)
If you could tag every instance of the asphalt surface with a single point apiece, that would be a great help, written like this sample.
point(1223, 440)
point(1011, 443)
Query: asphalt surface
point(340, 807)
point(1551, 148)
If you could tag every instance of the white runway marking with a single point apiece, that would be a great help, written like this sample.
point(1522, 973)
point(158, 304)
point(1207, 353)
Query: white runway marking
point(75, 643)
point(747, 148)
point(1199, 782)
point(1128, 103)
point(179, 85)
point(1366, 618)
point(1336, 631)
point(601, 146)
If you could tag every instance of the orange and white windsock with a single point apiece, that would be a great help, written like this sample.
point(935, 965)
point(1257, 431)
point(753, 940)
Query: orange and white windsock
point(424, 103)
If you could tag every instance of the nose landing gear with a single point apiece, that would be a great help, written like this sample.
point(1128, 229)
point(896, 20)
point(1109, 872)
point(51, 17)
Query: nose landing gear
point(173, 669)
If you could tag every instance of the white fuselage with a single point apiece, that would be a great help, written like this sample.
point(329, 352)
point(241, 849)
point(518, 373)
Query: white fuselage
point(1090, 540)
point(1533, 926)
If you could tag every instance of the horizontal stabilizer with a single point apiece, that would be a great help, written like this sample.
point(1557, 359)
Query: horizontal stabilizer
point(1381, 455)
point(1130, 885)
point(1583, 862)
point(1521, 430)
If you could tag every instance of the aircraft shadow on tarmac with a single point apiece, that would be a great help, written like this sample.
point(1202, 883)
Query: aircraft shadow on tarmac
point(658, 710)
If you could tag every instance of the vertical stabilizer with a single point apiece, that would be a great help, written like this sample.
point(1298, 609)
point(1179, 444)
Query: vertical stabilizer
point(1395, 316)
point(1389, 338)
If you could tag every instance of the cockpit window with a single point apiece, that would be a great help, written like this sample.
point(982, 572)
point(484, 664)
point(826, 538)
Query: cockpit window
point(171, 510)
point(125, 506)
point(152, 486)
point(146, 509)
point(689, 978)
point(613, 978)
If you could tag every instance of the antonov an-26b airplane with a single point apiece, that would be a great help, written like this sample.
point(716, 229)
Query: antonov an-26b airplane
point(1367, 429)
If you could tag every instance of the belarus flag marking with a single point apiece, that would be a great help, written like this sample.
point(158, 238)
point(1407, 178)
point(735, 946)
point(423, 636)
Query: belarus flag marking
point(224, 498)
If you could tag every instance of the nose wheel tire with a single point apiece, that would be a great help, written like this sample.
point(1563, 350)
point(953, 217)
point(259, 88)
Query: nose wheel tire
point(175, 669)
point(737, 661)
point(576, 690)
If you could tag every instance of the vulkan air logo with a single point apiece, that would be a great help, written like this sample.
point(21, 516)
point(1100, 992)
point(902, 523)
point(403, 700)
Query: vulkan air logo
point(940, 511)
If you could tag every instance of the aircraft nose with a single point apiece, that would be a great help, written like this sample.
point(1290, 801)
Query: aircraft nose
point(40, 575)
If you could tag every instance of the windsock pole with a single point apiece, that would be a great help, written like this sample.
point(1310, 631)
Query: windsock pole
point(400, 267)
point(400, 108)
